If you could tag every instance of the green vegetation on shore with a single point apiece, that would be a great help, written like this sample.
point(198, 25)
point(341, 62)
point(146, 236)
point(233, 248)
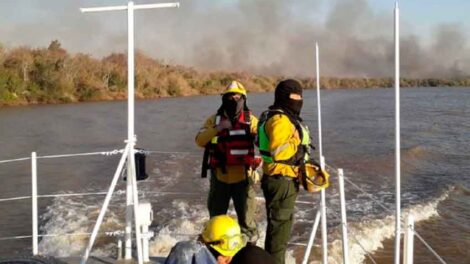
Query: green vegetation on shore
point(52, 75)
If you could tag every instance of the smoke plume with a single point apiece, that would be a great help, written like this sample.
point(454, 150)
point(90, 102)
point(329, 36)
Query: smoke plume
point(262, 36)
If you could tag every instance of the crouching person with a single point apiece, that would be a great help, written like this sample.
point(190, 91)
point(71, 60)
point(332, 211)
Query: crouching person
point(220, 240)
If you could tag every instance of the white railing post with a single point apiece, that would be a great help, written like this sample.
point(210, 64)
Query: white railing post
point(397, 136)
point(34, 197)
point(130, 129)
point(132, 178)
point(408, 242)
point(145, 220)
point(119, 249)
point(324, 233)
point(311, 238)
point(344, 223)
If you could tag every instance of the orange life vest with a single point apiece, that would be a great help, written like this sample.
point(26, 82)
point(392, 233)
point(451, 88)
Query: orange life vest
point(233, 146)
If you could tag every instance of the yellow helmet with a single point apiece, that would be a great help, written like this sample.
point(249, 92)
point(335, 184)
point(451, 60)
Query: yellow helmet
point(314, 179)
point(235, 87)
point(223, 234)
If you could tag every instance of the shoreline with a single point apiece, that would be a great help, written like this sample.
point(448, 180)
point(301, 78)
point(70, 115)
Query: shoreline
point(139, 97)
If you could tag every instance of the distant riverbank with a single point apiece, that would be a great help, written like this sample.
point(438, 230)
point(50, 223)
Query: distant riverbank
point(52, 75)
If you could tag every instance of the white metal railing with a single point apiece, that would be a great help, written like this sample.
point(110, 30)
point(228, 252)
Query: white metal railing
point(344, 223)
point(383, 206)
point(339, 172)
point(34, 195)
point(34, 198)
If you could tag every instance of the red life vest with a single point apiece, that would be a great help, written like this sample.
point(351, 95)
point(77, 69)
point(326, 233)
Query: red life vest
point(233, 146)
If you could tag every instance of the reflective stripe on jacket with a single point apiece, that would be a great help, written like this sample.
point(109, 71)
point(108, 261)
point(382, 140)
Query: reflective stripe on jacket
point(233, 146)
point(281, 149)
point(233, 173)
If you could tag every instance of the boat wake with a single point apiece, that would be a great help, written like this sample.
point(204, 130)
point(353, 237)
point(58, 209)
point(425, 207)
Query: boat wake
point(371, 233)
point(181, 219)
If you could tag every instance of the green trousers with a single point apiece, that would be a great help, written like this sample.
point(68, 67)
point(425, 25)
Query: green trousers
point(244, 201)
point(280, 194)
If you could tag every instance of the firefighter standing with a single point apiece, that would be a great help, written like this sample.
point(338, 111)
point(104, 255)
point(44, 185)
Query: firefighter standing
point(284, 146)
point(228, 137)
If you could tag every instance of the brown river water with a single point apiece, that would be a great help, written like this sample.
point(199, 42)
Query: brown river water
point(358, 136)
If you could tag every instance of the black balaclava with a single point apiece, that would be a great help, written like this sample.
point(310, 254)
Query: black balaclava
point(231, 107)
point(282, 99)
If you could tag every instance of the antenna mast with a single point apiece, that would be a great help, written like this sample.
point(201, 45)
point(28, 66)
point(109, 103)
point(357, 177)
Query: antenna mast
point(131, 188)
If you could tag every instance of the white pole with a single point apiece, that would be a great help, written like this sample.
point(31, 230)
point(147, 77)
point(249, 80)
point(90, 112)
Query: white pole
point(317, 63)
point(323, 226)
point(322, 161)
point(105, 204)
point(145, 243)
point(344, 223)
point(34, 196)
point(130, 127)
point(119, 249)
point(131, 190)
point(124, 7)
point(397, 135)
point(161, 5)
point(132, 178)
point(408, 242)
point(130, 73)
point(311, 238)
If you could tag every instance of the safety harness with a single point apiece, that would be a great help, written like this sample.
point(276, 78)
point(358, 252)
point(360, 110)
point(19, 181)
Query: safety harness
point(230, 146)
point(303, 152)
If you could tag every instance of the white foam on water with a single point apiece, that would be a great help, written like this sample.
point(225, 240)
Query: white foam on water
point(290, 257)
point(371, 233)
point(186, 225)
point(186, 229)
point(73, 215)
point(69, 216)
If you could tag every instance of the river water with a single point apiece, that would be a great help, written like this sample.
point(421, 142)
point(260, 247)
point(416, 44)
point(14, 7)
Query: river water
point(358, 136)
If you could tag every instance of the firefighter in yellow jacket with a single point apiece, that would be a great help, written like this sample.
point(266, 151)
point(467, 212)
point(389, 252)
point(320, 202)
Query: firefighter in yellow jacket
point(284, 143)
point(228, 139)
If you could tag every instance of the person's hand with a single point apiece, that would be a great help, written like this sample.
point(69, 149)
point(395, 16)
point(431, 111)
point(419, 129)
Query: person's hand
point(296, 134)
point(224, 124)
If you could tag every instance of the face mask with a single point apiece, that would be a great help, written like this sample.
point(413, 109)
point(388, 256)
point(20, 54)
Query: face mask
point(233, 108)
point(291, 106)
point(295, 106)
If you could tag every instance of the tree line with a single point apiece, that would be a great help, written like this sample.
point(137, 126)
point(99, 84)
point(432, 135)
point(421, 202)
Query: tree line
point(52, 75)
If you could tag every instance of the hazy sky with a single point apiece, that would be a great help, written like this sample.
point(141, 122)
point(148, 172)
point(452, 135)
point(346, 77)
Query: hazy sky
point(263, 36)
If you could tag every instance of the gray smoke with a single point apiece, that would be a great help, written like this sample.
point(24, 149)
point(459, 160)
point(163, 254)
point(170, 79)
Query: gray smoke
point(260, 36)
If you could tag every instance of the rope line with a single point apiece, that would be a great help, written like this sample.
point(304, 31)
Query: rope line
point(369, 195)
point(429, 247)
point(14, 237)
point(357, 241)
point(104, 153)
point(15, 198)
point(70, 194)
point(365, 251)
point(50, 235)
point(52, 195)
point(12, 160)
